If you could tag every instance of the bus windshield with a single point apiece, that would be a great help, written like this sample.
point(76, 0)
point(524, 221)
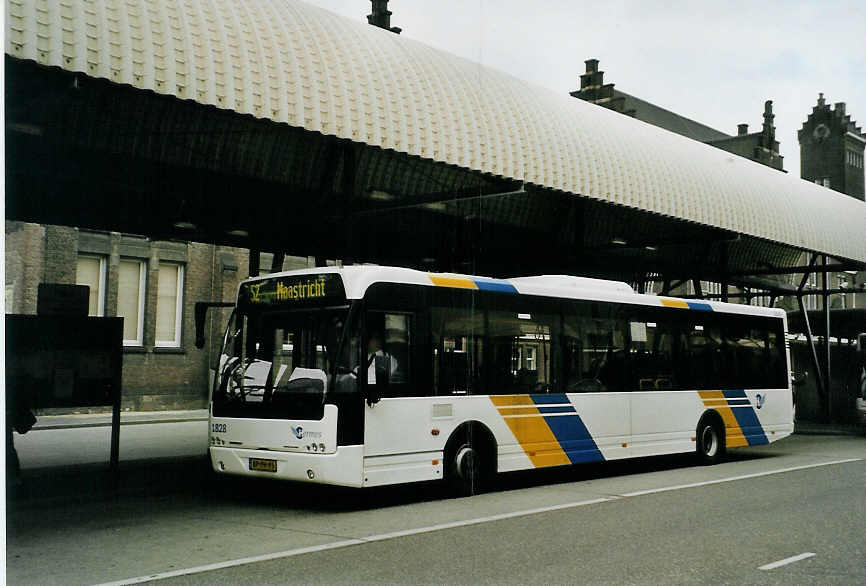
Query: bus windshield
point(275, 363)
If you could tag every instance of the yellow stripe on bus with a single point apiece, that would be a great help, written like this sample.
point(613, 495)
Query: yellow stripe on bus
point(532, 433)
point(453, 282)
point(734, 437)
point(511, 400)
point(675, 303)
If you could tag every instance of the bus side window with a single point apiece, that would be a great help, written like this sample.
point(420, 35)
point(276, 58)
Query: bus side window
point(390, 335)
point(397, 340)
point(520, 358)
point(595, 343)
point(458, 345)
point(651, 352)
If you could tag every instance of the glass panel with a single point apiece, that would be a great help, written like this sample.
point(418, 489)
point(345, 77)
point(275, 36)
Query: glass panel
point(89, 272)
point(168, 301)
point(651, 354)
point(457, 349)
point(276, 365)
point(388, 336)
point(519, 358)
point(129, 299)
point(594, 338)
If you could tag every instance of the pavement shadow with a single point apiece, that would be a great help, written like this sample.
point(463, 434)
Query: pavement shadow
point(192, 478)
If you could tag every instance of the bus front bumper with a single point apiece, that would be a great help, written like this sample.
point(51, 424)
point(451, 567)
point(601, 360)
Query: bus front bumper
point(343, 468)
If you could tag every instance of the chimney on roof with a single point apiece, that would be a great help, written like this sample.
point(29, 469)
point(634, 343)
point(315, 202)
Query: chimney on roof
point(742, 129)
point(768, 129)
point(381, 16)
point(591, 65)
point(821, 99)
point(840, 109)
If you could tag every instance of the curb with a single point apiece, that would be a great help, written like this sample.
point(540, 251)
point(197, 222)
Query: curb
point(50, 426)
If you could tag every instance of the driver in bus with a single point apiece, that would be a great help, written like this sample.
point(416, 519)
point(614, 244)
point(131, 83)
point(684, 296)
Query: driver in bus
point(375, 348)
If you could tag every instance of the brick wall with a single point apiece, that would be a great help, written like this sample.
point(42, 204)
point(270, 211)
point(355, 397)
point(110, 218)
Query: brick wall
point(153, 377)
point(24, 256)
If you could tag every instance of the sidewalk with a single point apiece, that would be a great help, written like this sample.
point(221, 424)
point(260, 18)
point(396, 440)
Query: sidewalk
point(44, 422)
point(66, 457)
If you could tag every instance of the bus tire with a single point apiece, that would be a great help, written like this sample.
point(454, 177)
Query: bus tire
point(470, 460)
point(710, 439)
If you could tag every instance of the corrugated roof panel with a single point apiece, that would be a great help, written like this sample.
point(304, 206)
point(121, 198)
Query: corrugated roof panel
point(300, 65)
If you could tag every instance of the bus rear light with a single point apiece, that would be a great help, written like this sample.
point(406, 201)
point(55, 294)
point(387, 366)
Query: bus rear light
point(434, 432)
point(694, 439)
point(435, 462)
point(625, 444)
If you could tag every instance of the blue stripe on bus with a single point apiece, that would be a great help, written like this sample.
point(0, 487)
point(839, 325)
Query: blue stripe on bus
point(574, 439)
point(699, 306)
point(569, 430)
point(554, 399)
point(498, 286)
point(751, 427)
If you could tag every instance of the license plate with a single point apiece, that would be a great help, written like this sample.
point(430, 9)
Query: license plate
point(261, 465)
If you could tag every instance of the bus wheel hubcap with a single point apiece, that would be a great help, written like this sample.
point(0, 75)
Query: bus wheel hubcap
point(465, 462)
point(709, 441)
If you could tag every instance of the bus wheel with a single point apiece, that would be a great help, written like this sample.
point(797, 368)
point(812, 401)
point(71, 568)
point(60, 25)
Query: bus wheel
point(468, 463)
point(710, 441)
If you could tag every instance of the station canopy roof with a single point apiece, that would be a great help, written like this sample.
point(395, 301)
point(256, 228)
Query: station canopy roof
point(427, 127)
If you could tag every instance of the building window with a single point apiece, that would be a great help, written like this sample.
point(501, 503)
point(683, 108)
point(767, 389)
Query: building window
point(823, 181)
point(90, 271)
point(711, 288)
point(842, 283)
point(130, 300)
point(169, 305)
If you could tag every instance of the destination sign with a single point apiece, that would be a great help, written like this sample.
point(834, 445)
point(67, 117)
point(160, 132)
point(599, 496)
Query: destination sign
point(294, 290)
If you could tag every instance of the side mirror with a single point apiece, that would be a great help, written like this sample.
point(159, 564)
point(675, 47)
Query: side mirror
point(799, 378)
point(201, 308)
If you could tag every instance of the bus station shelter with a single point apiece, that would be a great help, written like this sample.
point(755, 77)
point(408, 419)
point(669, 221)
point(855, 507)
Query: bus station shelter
point(277, 126)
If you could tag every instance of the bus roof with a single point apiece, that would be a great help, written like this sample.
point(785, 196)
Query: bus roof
point(358, 278)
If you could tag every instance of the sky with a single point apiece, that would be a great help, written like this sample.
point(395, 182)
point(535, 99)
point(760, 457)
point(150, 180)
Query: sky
point(714, 62)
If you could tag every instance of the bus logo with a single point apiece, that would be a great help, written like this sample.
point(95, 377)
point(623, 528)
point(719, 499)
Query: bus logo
point(298, 431)
point(761, 398)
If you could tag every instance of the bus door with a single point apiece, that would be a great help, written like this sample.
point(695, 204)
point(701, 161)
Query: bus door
point(398, 446)
point(595, 367)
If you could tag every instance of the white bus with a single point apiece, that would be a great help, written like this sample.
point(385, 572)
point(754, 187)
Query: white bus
point(366, 376)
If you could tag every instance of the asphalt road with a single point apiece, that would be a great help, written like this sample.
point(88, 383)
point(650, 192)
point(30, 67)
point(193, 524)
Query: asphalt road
point(651, 521)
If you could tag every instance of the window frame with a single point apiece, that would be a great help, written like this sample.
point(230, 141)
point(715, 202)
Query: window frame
point(103, 280)
point(138, 341)
point(177, 342)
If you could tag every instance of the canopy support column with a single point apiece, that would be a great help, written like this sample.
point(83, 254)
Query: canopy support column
point(255, 262)
point(277, 262)
point(813, 353)
point(826, 296)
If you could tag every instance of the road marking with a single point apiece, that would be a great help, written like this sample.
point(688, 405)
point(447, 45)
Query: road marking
point(237, 562)
point(464, 523)
point(734, 478)
point(786, 561)
point(348, 542)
